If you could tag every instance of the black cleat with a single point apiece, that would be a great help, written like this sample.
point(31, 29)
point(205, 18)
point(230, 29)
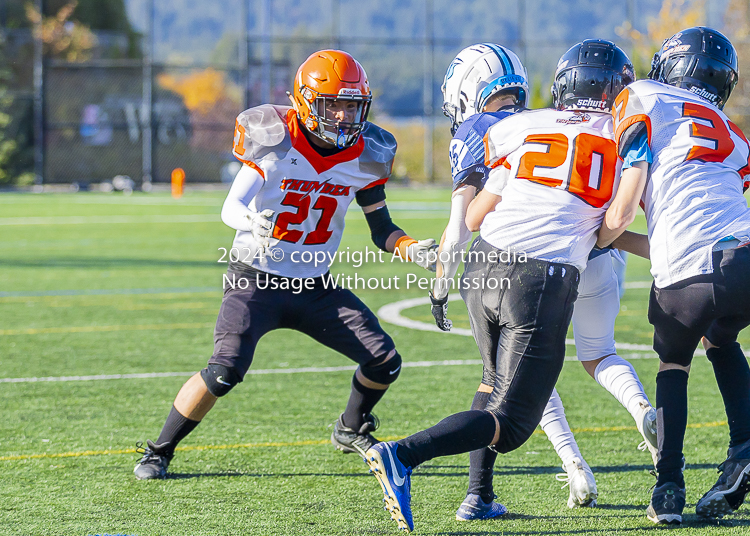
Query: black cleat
point(350, 440)
point(729, 492)
point(155, 460)
point(667, 504)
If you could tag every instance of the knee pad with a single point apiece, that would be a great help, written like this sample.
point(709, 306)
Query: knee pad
point(382, 371)
point(220, 379)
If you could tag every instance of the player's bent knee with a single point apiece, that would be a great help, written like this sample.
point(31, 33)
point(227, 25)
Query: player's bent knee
point(220, 379)
point(513, 433)
point(382, 370)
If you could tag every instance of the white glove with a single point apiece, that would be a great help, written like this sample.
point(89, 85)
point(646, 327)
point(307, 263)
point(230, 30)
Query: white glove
point(423, 253)
point(261, 226)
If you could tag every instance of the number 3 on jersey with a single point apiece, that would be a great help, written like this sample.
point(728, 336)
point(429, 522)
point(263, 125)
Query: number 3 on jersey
point(591, 168)
point(715, 132)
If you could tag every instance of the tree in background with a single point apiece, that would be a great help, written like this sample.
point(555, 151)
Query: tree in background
point(737, 27)
point(674, 15)
point(63, 38)
point(8, 145)
point(100, 15)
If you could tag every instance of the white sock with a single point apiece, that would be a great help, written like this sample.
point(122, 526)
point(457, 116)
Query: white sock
point(619, 378)
point(555, 425)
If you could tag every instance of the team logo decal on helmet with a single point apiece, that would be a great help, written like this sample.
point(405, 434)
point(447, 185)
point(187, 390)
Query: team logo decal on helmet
point(331, 75)
point(700, 60)
point(590, 75)
point(476, 74)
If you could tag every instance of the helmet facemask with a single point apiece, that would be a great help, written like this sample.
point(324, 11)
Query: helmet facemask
point(341, 134)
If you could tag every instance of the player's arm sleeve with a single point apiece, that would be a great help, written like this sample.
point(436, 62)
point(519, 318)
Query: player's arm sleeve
point(381, 225)
point(632, 124)
point(370, 196)
point(637, 151)
point(455, 238)
point(245, 187)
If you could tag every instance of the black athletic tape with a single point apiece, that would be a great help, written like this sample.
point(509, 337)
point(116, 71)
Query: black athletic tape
point(381, 226)
point(383, 372)
point(220, 379)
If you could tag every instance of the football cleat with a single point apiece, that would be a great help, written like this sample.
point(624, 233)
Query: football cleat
point(667, 504)
point(349, 440)
point(580, 479)
point(395, 479)
point(646, 423)
point(474, 508)
point(729, 492)
point(154, 462)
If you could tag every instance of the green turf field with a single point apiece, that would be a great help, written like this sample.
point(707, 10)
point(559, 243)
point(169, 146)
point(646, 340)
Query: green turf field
point(97, 284)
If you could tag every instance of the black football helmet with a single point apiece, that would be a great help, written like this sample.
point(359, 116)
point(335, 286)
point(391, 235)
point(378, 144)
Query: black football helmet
point(590, 75)
point(700, 60)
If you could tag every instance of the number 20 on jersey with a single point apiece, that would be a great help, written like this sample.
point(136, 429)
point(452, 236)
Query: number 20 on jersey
point(591, 167)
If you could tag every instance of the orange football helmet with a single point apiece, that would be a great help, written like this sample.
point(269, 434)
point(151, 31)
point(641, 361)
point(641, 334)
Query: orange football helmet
point(325, 75)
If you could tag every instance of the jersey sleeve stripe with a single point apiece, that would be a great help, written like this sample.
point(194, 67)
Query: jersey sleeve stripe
point(253, 165)
point(376, 183)
point(630, 121)
point(745, 170)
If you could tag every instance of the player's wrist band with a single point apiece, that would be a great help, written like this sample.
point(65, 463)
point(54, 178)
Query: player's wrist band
point(402, 244)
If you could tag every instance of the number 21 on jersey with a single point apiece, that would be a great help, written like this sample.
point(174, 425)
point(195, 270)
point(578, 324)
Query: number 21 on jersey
point(589, 169)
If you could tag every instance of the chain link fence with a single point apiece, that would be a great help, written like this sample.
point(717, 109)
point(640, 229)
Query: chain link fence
point(175, 105)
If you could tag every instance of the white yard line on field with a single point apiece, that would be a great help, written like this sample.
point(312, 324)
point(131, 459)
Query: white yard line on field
point(391, 313)
point(405, 210)
point(305, 370)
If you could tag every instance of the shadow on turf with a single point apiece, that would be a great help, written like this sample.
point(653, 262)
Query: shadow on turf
point(184, 476)
point(691, 521)
point(437, 470)
point(510, 470)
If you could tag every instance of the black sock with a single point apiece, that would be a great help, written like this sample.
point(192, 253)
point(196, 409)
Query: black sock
point(462, 432)
point(482, 461)
point(361, 402)
point(733, 376)
point(175, 430)
point(671, 421)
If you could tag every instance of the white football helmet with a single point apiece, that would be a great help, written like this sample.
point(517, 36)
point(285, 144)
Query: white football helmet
point(477, 73)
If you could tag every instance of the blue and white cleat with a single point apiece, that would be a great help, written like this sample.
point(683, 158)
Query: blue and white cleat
point(474, 508)
point(395, 479)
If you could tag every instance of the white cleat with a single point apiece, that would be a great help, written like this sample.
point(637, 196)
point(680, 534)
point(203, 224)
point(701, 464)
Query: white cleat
point(582, 484)
point(646, 423)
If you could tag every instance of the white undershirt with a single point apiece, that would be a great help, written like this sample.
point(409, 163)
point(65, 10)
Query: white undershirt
point(234, 213)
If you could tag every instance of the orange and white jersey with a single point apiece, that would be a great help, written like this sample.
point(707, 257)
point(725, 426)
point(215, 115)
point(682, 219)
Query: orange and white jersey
point(563, 169)
point(309, 193)
point(693, 197)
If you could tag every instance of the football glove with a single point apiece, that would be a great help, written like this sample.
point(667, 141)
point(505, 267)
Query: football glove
point(261, 226)
point(423, 253)
point(440, 312)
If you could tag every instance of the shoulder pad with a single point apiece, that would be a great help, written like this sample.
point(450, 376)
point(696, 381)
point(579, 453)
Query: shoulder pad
point(379, 151)
point(262, 131)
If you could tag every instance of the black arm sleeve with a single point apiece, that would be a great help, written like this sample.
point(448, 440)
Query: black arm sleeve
point(381, 226)
point(370, 196)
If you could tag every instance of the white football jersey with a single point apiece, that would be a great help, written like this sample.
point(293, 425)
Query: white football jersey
point(693, 197)
point(309, 193)
point(563, 169)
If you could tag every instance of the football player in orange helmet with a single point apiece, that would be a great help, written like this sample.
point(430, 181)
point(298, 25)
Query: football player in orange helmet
point(302, 168)
point(332, 97)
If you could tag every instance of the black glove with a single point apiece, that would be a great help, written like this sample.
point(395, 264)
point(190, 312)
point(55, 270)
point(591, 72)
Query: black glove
point(440, 312)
